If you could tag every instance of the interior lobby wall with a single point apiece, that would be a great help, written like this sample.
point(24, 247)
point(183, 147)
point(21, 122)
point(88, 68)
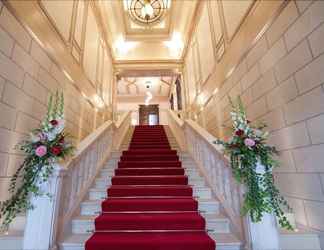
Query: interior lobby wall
point(27, 76)
point(281, 82)
point(164, 105)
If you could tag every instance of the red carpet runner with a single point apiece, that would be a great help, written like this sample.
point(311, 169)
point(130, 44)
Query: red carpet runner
point(150, 205)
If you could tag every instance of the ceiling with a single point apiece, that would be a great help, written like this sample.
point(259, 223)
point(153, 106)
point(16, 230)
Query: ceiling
point(139, 86)
point(163, 41)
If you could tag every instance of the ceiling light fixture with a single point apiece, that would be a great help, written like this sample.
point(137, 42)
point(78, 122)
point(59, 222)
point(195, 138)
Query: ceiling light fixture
point(175, 45)
point(122, 47)
point(149, 96)
point(147, 11)
point(200, 100)
point(98, 102)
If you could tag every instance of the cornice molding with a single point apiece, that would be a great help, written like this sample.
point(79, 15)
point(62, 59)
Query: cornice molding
point(102, 27)
point(192, 29)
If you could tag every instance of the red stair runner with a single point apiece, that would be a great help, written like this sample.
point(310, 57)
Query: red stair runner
point(150, 205)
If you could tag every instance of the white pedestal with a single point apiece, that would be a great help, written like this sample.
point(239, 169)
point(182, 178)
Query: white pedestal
point(264, 234)
point(41, 222)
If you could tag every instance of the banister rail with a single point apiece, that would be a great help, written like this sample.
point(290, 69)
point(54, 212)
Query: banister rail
point(213, 165)
point(51, 218)
point(176, 124)
point(121, 127)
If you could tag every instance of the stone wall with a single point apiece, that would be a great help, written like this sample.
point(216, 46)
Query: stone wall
point(27, 76)
point(281, 82)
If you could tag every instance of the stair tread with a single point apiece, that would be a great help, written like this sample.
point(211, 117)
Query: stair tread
point(208, 217)
point(200, 200)
point(221, 239)
point(225, 238)
point(143, 210)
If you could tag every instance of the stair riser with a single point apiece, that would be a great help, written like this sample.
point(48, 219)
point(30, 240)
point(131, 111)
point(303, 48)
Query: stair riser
point(94, 207)
point(227, 246)
point(103, 183)
point(201, 193)
point(190, 173)
point(300, 241)
point(84, 226)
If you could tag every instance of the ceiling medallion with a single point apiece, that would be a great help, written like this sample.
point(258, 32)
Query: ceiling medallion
point(147, 11)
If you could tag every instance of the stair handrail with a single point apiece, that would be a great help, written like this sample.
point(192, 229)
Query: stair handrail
point(51, 219)
point(121, 128)
point(214, 166)
point(176, 125)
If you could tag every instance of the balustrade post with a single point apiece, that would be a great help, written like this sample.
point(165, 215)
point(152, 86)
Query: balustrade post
point(42, 221)
point(264, 234)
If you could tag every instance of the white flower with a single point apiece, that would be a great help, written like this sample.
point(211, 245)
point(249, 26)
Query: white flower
point(34, 138)
point(60, 126)
point(258, 132)
point(51, 135)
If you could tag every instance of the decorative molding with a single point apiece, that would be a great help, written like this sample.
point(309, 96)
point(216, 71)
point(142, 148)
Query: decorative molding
point(249, 48)
point(158, 33)
point(54, 25)
point(246, 14)
point(101, 26)
point(220, 50)
point(217, 44)
point(192, 30)
point(35, 38)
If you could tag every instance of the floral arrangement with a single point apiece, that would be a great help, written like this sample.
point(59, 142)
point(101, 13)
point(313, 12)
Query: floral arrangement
point(247, 149)
point(45, 147)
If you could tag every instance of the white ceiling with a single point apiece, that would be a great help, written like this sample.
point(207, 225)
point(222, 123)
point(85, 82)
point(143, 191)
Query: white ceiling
point(137, 86)
point(129, 42)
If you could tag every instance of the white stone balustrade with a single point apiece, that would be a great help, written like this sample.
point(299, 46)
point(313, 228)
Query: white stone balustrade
point(217, 172)
point(68, 186)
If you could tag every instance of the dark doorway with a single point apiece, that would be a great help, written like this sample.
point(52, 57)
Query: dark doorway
point(149, 115)
point(171, 102)
point(178, 90)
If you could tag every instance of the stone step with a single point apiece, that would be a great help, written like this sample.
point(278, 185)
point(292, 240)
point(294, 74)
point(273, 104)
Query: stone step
point(104, 181)
point(191, 173)
point(100, 193)
point(93, 207)
point(13, 240)
point(225, 241)
point(300, 239)
point(85, 223)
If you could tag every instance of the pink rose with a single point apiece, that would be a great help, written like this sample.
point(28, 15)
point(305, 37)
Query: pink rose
point(41, 151)
point(249, 142)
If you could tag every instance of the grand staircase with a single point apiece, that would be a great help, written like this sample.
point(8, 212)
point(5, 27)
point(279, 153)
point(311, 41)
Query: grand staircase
point(159, 207)
point(217, 225)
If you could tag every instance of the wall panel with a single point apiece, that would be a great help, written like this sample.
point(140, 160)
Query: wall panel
point(91, 46)
point(80, 18)
point(234, 13)
point(205, 45)
point(216, 21)
point(60, 13)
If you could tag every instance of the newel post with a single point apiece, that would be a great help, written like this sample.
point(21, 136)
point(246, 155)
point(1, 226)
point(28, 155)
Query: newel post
point(41, 222)
point(264, 235)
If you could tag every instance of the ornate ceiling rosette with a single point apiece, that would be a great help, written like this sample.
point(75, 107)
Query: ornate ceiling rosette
point(147, 12)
